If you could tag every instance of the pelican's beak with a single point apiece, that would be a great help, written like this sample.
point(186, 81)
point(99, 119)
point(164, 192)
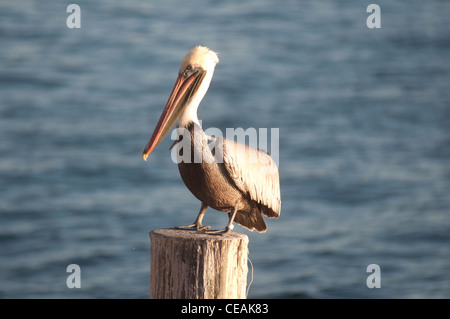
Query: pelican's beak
point(185, 87)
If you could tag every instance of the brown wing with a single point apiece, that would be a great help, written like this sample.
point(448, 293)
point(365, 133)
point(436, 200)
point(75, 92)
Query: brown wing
point(255, 173)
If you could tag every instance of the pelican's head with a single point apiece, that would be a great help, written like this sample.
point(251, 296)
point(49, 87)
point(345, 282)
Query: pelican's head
point(199, 57)
point(191, 85)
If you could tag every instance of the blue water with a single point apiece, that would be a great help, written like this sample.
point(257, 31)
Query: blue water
point(364, 120)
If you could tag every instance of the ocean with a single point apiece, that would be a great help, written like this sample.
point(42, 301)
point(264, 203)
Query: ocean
point(364, 142)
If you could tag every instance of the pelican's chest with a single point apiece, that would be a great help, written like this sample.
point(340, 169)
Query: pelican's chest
point(200, 165)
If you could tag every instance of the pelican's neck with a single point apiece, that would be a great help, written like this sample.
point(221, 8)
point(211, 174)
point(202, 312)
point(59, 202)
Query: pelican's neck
point(190, 112)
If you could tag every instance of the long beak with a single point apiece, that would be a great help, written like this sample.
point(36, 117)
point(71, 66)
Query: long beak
point(172, 111)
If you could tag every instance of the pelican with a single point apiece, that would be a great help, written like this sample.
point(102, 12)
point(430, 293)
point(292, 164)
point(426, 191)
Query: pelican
point(228, 178)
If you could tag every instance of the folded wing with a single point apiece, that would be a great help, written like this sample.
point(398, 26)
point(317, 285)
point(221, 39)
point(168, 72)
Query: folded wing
point(255, 173)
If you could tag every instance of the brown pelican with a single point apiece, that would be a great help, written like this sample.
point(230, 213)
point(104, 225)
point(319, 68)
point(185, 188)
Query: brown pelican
point(231, 177)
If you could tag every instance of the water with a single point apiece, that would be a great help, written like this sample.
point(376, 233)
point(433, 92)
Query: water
point(364, 119)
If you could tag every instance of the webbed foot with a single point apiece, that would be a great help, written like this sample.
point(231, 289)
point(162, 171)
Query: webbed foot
point(194, 226)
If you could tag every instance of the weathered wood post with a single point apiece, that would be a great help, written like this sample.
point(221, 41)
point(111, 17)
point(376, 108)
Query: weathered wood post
point(188, 264)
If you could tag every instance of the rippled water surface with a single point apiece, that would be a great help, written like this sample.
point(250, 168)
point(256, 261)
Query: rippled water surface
point(364, 148)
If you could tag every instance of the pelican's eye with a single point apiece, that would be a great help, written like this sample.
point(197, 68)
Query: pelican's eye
point(190, 70)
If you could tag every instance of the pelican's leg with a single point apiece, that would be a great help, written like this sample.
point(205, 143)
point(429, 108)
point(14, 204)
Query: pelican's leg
point(229, 226)
point(198, 221)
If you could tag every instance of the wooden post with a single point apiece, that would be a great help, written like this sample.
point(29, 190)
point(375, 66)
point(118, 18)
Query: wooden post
point(187, 264)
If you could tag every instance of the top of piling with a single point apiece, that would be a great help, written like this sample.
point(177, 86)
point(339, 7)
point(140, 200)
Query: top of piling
point(196, 235)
